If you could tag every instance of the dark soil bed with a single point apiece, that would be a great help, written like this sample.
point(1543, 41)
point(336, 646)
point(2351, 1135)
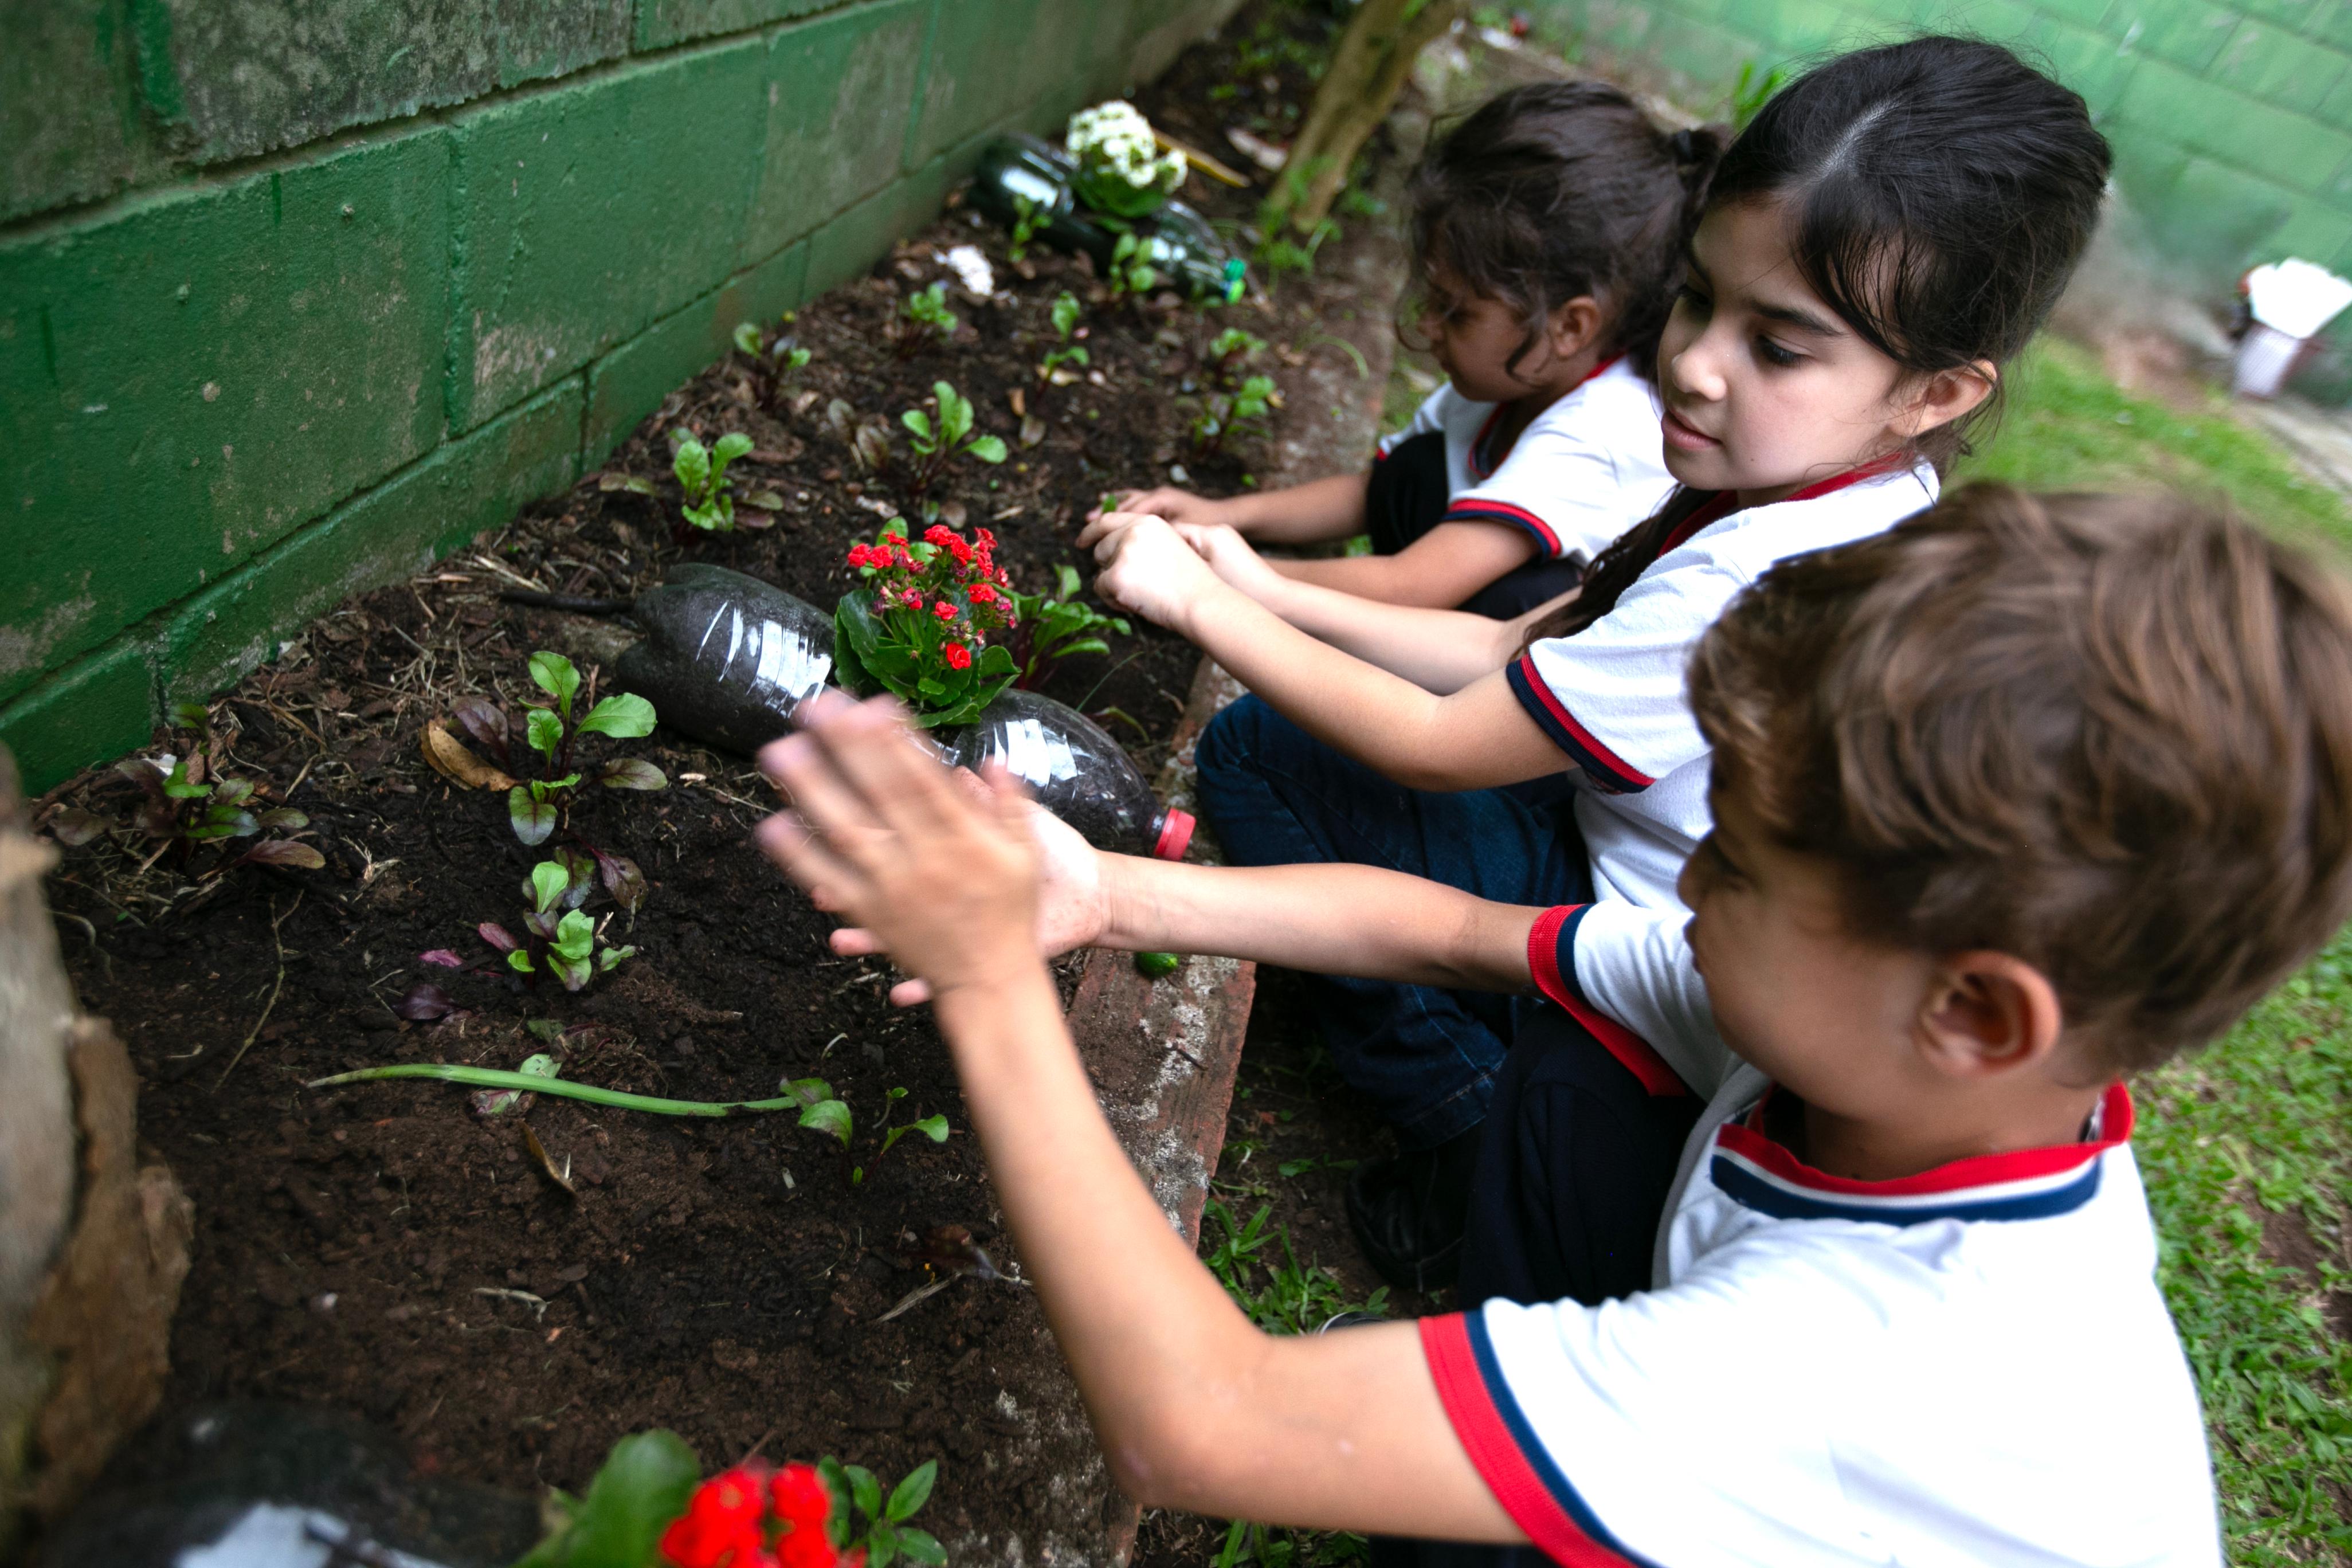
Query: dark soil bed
point(382, 1248)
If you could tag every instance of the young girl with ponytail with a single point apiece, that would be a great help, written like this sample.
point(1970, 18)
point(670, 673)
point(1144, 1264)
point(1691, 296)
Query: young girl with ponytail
point(1547, 234)
point(1883, 238)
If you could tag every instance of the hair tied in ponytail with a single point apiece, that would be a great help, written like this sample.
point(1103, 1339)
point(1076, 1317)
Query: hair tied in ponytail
point(1685, 145)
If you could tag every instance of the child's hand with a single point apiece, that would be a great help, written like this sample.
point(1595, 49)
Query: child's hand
point(1175, 505)
point(1233, 559)
point(881, 833)
point(1148, 568)
point(1073, 903)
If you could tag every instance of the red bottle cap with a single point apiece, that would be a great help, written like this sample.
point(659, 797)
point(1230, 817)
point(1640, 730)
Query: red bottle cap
point(1175, 835)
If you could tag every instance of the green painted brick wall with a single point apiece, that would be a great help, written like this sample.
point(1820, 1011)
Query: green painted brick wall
point(2231, 123)
point(296, 295)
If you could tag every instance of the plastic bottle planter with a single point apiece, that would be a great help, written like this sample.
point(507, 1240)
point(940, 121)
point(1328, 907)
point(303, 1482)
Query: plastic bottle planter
point(1175, 241)
point(728, 659)
point(1076, 771)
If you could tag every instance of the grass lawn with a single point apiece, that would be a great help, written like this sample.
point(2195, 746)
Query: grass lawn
point(2245, 1148)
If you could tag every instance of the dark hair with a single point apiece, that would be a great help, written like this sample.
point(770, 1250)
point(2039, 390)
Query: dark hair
point(1939, 193)
point(1559, 189)
point(2109, 735)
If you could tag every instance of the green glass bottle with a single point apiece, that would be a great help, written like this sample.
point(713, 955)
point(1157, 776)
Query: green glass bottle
point(1175, 241)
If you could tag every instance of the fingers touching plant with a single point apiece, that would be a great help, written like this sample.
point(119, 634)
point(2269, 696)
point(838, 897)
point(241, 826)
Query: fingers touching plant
point(938, 442)
point(702, 475)
point(925, 318)
point(916, 627)
point(1047, 629)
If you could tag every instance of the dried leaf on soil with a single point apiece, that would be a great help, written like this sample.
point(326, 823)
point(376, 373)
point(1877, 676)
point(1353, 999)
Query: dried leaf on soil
point(447, 756)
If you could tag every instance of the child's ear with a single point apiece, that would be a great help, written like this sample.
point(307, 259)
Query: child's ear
point(1937, 400)
point(1575, 326)
point(1987, 1013)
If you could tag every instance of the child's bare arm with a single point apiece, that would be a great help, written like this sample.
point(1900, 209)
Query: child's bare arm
point(1195, 1406)
point(1437, 571)
point(1319, 510)
point(1470, 739)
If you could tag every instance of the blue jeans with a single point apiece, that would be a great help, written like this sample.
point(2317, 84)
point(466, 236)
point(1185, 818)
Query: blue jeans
point(1275, 795)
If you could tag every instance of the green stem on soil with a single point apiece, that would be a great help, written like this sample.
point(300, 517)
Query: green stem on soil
point(492, 1078)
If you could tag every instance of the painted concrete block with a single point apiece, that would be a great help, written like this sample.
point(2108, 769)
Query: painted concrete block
point(631, 382)
point(852, 242)
point(839, 91)
point(2279, 67)
point(398, 528)
point(979, 55)
point(184, 384)
point(584, 212)
point(2189, 33)
point(96, 709)
point(661, 23)
point(66, 106)
point(231, 80)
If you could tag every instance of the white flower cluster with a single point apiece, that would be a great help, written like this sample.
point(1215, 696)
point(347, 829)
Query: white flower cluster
point(1114, 137)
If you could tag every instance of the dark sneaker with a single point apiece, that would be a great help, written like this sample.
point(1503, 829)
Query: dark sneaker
point(1408, 1214)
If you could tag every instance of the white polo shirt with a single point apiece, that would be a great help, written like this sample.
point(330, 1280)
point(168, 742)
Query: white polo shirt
point(1972, 1365)
point(1584, 470)
point(1611, 696)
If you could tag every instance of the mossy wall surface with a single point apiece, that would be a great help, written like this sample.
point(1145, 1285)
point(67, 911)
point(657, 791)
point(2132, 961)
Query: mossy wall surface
point(296, 295)
point(2231, 121)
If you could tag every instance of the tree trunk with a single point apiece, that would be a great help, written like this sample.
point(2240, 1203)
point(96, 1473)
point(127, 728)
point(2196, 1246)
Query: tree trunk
point(93, 1245)
point(1367, 71)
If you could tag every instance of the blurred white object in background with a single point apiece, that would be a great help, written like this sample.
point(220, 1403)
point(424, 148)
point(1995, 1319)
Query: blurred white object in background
point(2291, 301)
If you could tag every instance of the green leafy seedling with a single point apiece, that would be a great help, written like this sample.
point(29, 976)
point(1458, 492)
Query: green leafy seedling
point(925, 318)
point(191, 804)
point(1050, 627)
point(1028, 218)
point(934, 1128)
point(936, 442)
point(863, 1517)
point(1223, 413)
point(536, 808)
point(1131, 276)
point(642, 1485)
point(1053, 368)
point(702, 476)
point(1232, 349)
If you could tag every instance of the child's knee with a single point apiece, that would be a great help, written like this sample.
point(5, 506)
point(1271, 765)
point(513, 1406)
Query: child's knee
point(1233, 739)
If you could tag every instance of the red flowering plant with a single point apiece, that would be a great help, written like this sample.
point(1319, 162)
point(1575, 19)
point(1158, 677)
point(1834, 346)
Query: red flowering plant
point(917, 625)
point(645, 1509)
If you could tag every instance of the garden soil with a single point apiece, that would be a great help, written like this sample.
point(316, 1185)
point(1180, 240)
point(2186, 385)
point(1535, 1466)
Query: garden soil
point(384, 1250)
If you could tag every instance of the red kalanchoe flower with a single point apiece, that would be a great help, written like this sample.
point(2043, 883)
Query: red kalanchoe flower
point(800, 1497)
point(807, 1547)
point(944, 610)
point(981, 594)
point(720, 1527)
point(958, 655)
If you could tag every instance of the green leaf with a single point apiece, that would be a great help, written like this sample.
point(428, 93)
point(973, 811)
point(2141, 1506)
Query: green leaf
point(881, 1545)
point(1065, 314)
point(549, 880)
point(864, 1490)
point(1087, 645)
point(178, 787)
point(575, 936)
point(807, 1090)
point(830, 1117)
point(610, 956)
point(993, 661)
point(540, 1066)
point(643, 1484)
point(988, 448)
point(934, 1128)
point(624, 716)
point(915, 420)
point(555, 676)
point(731, 445)
point(1067, 581)
point(955, 412)
point(921, 1546)
point(531, 819)
point(519, 961)
point(692, 466)
point(544, 730)
point(747, 336)
point(285, 818)
point(836, 1481)
point(191, 716)
point(230, 792)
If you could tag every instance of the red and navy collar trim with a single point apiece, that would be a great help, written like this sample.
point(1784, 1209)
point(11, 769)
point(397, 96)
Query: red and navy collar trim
point(1481, 466)
point(1509, 1455)
point(2026, 1183)
point(1714, 506)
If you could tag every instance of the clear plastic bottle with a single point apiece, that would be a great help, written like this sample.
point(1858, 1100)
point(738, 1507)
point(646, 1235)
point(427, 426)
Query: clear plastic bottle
point(1076, 771)
point(727, 659)
point(1176, 240)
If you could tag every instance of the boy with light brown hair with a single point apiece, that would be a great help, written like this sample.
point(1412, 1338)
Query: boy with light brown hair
point(2019, 798)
